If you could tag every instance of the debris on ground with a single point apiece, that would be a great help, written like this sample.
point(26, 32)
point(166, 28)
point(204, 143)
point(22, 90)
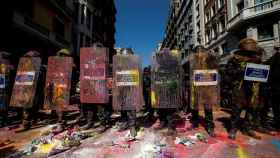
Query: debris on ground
point(184, 141)
point(55, 140)
point(198, 137)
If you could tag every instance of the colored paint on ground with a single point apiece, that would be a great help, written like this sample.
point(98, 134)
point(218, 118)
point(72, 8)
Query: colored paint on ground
point(241, 153)
point(276, 143)
point(155, 143)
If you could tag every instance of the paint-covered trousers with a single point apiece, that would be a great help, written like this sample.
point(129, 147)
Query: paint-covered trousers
point(248, 120)
point(276, 108)
point(208, 117)
point(129, 116)
point(165, 115)
point(3, 118)
point(91, 111)
point(29, 115)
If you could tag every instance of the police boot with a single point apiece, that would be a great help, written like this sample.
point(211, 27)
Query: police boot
point(105, 124)
point(209, 122)
point(163, 123)
point(123, 126)
point(195, 119)
point(211, 132)
point(232, 134)
point(26, 122)
point(80, 120)
point(247, 130)
point(89, 121)
point(251, 133)
point(3, 121)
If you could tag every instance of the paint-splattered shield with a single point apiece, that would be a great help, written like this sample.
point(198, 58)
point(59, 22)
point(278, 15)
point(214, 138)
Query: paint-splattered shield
point(5, 75)
point(127, 83)
point(58, 83)
point(165, 80)
point(24, 90)
point(93, 66)
point(204, 80)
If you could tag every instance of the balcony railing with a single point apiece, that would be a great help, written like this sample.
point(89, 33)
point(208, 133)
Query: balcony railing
point(265, 6)
point(254, 11)
point(61, 39)
point(28, 24)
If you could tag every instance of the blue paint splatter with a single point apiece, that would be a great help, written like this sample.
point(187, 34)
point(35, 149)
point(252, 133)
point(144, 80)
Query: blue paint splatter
point(276, 143)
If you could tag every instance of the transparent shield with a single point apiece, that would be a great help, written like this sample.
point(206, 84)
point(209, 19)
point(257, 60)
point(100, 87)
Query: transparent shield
point(25, 84)
point(165, 80)
point(127, 82)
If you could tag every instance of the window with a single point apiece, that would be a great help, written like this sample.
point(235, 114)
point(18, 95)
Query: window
point(260, 1)
point(88, 18)
point(88, 41)
point(26, 7)
point(58, 26)
point(222, 24)
point(208, 36)
point(213, 10)
point(240, 6)
point(83, 14)
point(261, 5)
point(77, 5)
point(207, 16)
point(221, 3)
point(224, 48)
point(81, 40)
point(214, 31)
point(265, 32)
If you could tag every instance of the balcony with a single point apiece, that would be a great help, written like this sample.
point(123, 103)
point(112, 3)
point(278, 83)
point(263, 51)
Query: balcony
point(258, 10)
point(65, 7)
point(28, 25)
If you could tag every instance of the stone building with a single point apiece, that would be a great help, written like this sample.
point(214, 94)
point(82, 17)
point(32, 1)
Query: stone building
point(221, 24)
point(49, 25)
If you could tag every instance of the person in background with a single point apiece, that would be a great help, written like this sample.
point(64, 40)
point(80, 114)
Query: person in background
point(274, 84)
point(147, 93)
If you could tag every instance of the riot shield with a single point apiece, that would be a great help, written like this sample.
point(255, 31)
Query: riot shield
point(25, 85)
point(127, 83)
point(204, 79)
point(5, 75)
point(58, 83)
point(165, 80)
point(94, 66)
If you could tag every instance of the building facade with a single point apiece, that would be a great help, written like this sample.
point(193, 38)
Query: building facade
point(221, 24)
point(185, 26)
point(49, 25)
point(258, 19)
point(38, 25)
point(94, 22)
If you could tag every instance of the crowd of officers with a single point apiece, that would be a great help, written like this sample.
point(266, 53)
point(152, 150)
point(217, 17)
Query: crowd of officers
point(255, 98)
